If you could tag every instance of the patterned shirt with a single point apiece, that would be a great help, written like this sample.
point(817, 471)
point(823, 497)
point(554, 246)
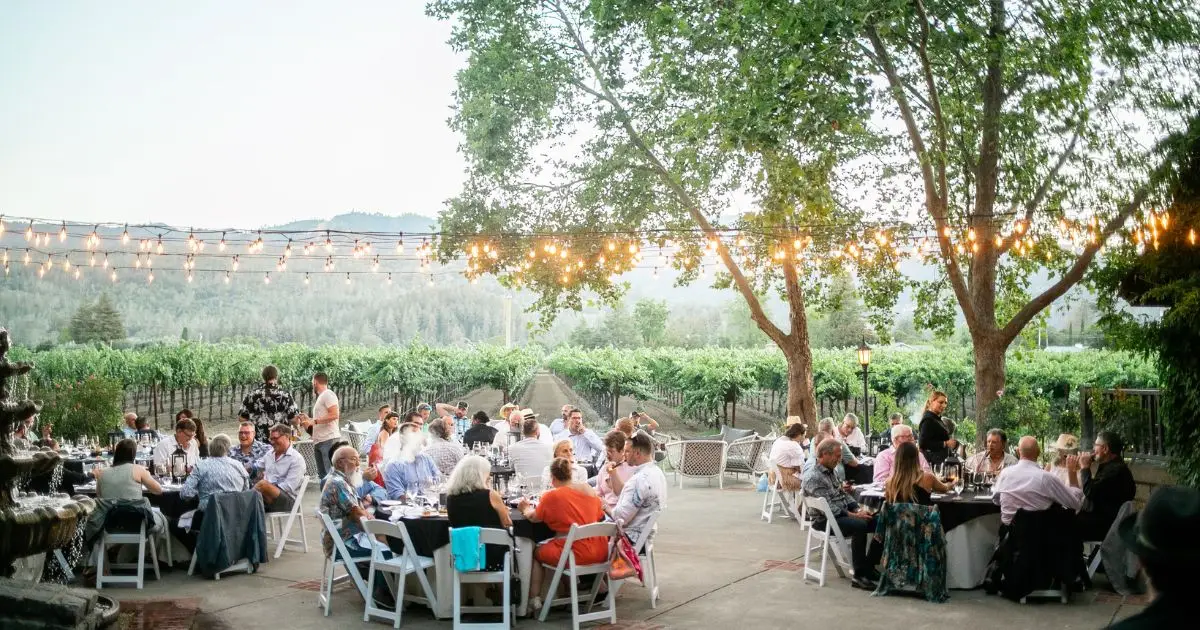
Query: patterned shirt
point(214, 475)
point(445, 454)
point(981, 463)
point(824, 483)
point(461, 424)
point(643, 496)
point(252, 462)
point(409, 478)
point(337, 500)
point(267, 407)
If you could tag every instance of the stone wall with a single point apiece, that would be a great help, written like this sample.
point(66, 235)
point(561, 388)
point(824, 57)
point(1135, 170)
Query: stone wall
point(1149, 477)
point(28, 605)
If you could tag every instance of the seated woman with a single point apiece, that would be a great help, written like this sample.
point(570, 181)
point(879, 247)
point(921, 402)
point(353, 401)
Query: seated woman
point(566, 450)
point(339, 499)
point(615, 472)
point(470, 502)
point(122, 484)
point(908, 483)
point(373, 487)
point(787, 457)
point(569, 503)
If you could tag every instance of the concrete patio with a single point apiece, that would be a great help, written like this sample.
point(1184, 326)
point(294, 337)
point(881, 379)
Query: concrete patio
point(719, 567)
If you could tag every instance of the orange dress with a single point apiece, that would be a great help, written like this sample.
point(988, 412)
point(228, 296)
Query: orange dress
point(374, 458)
point(559, 509)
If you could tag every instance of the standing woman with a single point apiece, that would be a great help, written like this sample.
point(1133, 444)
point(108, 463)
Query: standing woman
point(201, 436)
point(932, 435)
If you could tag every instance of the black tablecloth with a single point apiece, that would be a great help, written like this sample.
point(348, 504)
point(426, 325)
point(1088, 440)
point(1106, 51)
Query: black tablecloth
point(955, 510)
point(432, 533)
point(170, 503)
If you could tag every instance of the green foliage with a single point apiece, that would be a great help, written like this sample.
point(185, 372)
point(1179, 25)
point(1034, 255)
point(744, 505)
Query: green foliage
point(650, 317)
point(1021, 411)
point(99, 322)
point(90, 406)
point(1121, 414)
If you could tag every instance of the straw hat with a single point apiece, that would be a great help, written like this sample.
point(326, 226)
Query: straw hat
point(1066, 442)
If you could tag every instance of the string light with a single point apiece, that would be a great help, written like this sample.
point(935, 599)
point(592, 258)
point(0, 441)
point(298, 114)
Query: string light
point(29, 232)
point(306, 279)
point(267, 278)
point(227, 277)
point(347, 278)
point(221, 245)
point(150, 278)
point(1, 226)
point(62, 234)
point(113, 275)
point(124, 239)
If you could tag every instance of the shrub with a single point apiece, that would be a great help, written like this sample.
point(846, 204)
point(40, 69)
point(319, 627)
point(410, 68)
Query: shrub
point(88, 407)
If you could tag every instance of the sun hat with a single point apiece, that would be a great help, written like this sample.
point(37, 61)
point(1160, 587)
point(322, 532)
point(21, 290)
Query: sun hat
point(1164, 531)
point(1066, 442)
point(528, 414)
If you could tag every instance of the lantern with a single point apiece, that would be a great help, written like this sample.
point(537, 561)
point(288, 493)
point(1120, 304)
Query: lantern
point(179, 464)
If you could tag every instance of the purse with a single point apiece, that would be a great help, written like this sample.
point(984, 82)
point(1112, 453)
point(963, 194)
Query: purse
point(625, 563)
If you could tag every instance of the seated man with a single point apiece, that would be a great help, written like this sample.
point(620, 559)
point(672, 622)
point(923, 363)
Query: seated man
point(1162, 538)
point(410, 471)
point(283, 471)
point(217, 473)
point(852, 436)
point(511, 433)
point(530, 455)
point(480, 432)
point(339, 499)
point(444, 451)
point(130, 429)
point(644, 493)
point(994, 458)
point(854, 521)
point(249, 452)
point(901, 433)
point(1105, 492)
point(1025, 486)
point(184, 439)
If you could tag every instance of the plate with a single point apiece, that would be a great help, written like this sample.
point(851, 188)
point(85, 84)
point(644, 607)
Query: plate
point(391, 503)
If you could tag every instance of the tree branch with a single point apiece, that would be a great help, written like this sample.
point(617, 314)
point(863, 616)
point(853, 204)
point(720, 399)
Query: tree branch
point(685, 199)
point(935, 204)
point(935, 101)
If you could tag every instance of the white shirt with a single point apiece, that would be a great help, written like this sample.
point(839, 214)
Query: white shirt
point(330, 430)
point(530, 456)
point(1026, 486)
point(545, 436)
point(644, 494)
point(788, 453)
point(286, 471)
point(578, 475)
point(166, 447)
point(856, 439)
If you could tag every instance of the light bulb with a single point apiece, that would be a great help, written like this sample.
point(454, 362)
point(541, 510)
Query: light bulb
point(347, 278)
point(29, 232)
point(62, 233)
point(150, 278)
point(114, 275)
point(267, 278)
point(189, 277)
point(227, 277)
point(125, 236)
point(306, 279)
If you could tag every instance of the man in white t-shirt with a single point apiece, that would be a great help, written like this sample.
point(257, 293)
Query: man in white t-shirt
point(852, 436)
point(324, 422)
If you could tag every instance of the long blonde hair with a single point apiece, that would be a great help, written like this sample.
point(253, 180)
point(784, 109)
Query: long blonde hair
point(906, 472)
point(934, 395)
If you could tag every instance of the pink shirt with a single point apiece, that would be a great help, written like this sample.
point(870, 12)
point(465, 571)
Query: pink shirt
point(1026, 486)
point(604, 490)
point(884, 460)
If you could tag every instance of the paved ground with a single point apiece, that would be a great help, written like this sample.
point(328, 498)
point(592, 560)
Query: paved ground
point(720, 567)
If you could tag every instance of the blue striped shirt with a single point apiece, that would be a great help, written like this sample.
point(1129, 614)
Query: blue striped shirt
point(213, 475)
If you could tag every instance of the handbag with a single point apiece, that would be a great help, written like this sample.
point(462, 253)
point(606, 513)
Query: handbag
point(625, 563)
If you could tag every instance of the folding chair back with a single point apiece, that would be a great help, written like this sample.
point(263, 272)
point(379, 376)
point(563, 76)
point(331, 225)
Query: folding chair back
point(279, 524)
point(644, 547)
point(395, 570)
point(341, 557)
point(567, 566)
point(122, 533)
point(487, 536)
point(829, 540)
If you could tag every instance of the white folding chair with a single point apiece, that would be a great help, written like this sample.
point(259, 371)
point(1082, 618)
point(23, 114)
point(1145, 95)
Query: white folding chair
point(573, 571)
point(394, 571)
point(644, 547)
point(829, 540)
point(503, 577)
point(279, 524)
point(140, 539)
point(341, 558)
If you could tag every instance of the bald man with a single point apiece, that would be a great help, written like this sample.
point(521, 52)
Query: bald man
point(1026, 486)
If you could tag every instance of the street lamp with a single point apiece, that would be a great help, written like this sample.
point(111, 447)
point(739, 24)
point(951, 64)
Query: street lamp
point(864, 359)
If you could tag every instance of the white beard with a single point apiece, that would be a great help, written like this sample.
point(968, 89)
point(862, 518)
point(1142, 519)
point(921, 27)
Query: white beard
point(403, 447)
point(355, 479)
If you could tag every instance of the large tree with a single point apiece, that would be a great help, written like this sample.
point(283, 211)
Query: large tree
point(582, 139)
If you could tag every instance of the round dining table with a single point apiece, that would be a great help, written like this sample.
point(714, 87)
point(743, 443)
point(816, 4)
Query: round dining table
point(971, 521)
point(430, 537)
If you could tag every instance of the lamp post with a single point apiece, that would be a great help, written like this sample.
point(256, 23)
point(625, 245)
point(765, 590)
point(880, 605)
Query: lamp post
point(864, 359)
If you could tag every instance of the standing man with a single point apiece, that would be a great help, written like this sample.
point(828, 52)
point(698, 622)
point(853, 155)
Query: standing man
point(1106, 491)
point(480, 432)
point(269, 405)
point(588, 446)
point(324, 422)
point(854, 521)
point(455, 417)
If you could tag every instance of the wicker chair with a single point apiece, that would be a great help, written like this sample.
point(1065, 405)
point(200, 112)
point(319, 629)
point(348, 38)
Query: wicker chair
point(743, 456)
point(702, 459)
point(356, 440)
point(308, 451)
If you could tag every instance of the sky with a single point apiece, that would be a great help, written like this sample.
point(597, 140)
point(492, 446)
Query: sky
point(224, 113)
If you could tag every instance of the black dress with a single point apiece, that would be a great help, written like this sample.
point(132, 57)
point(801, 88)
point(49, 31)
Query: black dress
point(474, 509)
point(931, 438)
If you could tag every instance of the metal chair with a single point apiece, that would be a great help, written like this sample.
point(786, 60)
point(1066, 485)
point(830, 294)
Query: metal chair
point(742, 456)
point(702, 459)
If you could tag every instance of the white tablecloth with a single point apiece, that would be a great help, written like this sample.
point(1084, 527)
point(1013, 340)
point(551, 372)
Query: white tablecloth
point(969, 548)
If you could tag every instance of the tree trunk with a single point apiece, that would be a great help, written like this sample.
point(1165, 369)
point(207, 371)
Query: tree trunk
point(989, 379)
point(800, 401)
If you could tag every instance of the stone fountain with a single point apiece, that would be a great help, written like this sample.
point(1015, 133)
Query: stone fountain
point(35, 524)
